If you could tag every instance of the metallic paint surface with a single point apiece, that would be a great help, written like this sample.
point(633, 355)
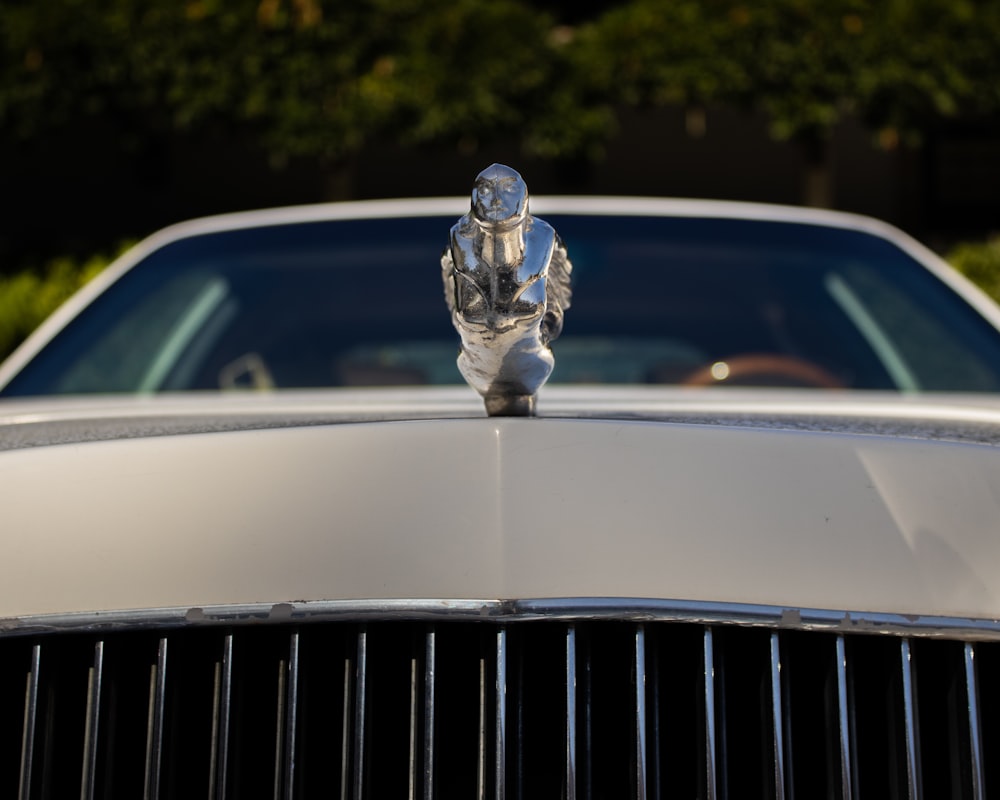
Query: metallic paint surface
point(501, 508)
point(821, 510)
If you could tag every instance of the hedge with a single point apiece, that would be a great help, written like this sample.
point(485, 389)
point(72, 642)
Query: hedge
point(28, 297)
point(980, 263)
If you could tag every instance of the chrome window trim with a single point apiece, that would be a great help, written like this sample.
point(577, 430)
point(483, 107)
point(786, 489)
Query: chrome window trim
point(511, 611)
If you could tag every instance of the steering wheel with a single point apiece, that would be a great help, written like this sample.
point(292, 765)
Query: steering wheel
point(763, 369)
point(249, 371)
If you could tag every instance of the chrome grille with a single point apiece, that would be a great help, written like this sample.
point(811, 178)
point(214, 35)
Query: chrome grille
point(515, 705)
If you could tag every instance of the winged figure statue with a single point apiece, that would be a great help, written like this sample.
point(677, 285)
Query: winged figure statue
point(507, 283)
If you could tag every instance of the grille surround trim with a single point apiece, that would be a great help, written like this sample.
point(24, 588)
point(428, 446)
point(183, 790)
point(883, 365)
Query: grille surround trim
point(654, 673)
point(511, 611)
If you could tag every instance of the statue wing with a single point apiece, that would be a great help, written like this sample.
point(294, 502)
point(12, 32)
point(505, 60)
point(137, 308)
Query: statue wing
point(448, 278)
point(558, 291)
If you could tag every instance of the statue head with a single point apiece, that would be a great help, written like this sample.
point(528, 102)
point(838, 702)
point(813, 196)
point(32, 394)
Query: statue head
point(499, 197)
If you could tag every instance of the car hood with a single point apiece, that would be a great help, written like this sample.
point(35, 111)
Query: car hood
point(781, 499)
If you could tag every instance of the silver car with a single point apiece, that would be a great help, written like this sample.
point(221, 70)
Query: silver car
point(260, 540)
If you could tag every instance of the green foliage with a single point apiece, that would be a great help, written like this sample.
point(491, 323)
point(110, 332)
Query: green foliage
point(28, 297)
point(805, 63)
point(980, 263)
point(466, 71)
point(305, 77)
point(319, 78)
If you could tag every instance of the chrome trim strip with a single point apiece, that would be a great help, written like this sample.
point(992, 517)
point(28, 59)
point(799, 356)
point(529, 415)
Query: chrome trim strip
point(711, 765)
point(154, 735)
point(92, 729)
point(640, 712)
point(975, 729)
point(513, 611)
point(571, 712)
point(30, 719)
point(360, 711)
point(430, 666)
point(500, 756)
point(846, 765)
point(910, 721)
point(777, 719)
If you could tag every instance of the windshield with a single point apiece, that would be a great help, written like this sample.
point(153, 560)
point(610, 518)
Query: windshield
point(655, 300)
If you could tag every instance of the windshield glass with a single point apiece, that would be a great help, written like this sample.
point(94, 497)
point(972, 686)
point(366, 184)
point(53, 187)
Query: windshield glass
point(655, 300)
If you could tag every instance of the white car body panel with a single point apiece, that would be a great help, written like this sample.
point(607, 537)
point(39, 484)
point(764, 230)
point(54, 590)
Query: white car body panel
point(465, 507)
point(503, 508)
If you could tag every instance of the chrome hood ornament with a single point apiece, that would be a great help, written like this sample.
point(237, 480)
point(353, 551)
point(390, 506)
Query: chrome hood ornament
point(507, 282)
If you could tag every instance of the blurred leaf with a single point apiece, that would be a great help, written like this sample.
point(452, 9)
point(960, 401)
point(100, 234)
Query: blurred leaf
point(980, 263)
point(28, 297)
point(319, 78)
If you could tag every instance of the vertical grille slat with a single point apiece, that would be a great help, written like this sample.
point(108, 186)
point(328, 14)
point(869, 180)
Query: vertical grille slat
point(844, 725)
point(571, 722)
point(500, 744)
point(516, 733)
point(291, 717)
point(640, 713)
point(154, 735)
point(280, 710)
point(30, 724)
point(221, 714)
point(481, 760)
point(412, 765)
point(92, 729)
point(360, 713)
point(777, 718)
point(912, 741)
point(509, 710)
point(975, 728)
point(588, 726)
point(430, 678)
point(655, 766)
point(711, 751)
point(345, 729)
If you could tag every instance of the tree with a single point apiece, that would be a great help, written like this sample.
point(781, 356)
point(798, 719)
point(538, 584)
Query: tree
point(305, 77)
point(319, 79)
point(899, 65)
